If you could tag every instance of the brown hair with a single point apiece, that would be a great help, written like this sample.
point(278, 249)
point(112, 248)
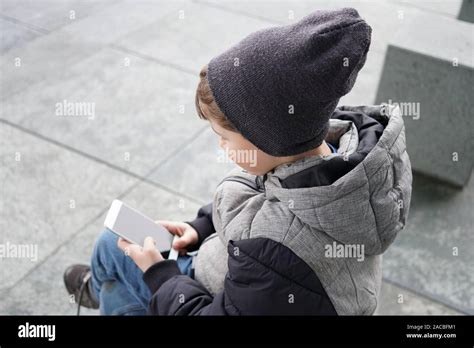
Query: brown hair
point(204, 96)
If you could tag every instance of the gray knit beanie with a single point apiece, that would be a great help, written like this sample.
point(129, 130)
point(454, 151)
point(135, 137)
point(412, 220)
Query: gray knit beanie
point(279, 86)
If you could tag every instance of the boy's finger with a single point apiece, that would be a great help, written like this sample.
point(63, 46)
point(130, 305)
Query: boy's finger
point(182, 242)
point(170, 226)
point(162, 222)
point(165, 223)
point(123, 244)
point(149, 244)
point(128, 248)
point(133, 250)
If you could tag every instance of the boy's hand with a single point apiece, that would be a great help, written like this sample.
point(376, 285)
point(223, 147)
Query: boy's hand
point(187, 234)
point(145, 256)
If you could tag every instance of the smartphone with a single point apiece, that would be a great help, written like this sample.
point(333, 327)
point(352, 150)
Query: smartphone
point(134, 227)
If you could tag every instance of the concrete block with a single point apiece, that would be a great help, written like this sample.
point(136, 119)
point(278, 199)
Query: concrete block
point(429, 71)
point(467, 11)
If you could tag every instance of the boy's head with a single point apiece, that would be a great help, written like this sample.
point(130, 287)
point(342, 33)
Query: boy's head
point(271, 95)
point(240, 150)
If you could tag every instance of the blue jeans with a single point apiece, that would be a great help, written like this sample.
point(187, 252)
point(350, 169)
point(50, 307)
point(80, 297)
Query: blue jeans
point(117, 281)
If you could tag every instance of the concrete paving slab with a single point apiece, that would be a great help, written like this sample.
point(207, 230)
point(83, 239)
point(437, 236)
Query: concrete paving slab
point(129, 112)
point(48, 57)
point(42, 59)
point(395, 300)
point(385, 17)
point(449, 8)
point(114, 22)
point(14, 35)
point(190, 36)
point(196, 170)
point(51, 14)
point(47, 194)
point(433, 255)
point(43, 291)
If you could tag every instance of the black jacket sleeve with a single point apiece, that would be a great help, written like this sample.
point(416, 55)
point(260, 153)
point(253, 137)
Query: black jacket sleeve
point(203, 225)
point(264, 278)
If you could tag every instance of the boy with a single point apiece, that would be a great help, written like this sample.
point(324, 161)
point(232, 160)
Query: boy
point(300, 230)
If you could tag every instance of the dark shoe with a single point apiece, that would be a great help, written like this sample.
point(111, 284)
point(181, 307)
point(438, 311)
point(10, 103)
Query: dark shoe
point(77, 279)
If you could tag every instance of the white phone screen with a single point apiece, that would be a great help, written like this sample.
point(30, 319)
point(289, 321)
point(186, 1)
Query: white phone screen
point(133, 226)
